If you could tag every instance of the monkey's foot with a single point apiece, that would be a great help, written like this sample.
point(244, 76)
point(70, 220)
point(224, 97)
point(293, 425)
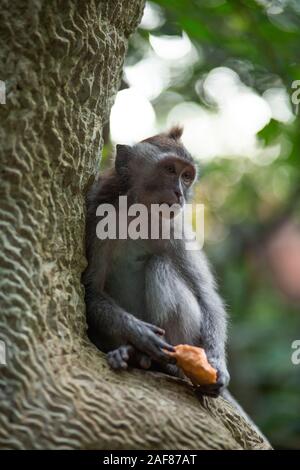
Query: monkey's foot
point(118, 358)
point(211, 390)
point(127, 355)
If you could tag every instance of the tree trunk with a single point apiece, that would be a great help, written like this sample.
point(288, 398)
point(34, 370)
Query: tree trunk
point(62, 62)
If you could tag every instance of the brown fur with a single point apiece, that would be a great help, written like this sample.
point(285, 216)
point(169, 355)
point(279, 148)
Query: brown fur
point(170, 140)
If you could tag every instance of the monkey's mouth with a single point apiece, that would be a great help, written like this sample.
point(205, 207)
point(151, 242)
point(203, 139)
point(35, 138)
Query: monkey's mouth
point(169, 210)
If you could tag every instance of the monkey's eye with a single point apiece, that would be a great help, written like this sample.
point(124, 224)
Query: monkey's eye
point(170, 169)
point(187, 177)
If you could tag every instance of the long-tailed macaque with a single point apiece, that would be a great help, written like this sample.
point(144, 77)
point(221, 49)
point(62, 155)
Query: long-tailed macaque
point(144, 296)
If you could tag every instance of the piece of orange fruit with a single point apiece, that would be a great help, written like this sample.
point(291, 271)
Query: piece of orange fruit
point(194, 363)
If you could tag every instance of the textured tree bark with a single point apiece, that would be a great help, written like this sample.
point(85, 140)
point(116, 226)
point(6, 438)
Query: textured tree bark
point(62, 62)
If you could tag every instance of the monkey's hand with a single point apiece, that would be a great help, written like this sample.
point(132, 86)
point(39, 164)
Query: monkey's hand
point(148, 339)
point(215, 389)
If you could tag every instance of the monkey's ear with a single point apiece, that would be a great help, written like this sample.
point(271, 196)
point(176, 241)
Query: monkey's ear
point(123, 155)
point(175, 133)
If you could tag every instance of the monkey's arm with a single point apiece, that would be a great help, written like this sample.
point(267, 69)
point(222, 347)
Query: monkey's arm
point(111, 327)
point(107, 322)
point(197, 274)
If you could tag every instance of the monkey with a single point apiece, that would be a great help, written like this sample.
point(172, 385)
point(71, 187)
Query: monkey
point(144, 296)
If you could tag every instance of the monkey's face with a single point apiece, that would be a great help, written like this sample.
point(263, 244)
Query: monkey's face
point(165, 181)
point(156, 174)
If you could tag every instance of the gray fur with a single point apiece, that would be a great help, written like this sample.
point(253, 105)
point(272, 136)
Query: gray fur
point(134, 288)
